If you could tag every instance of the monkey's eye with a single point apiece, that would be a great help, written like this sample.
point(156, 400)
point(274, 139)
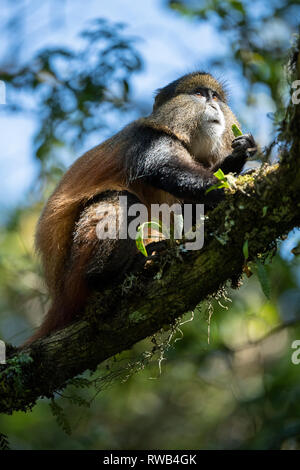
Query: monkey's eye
point(200, 93)
point(215, 96)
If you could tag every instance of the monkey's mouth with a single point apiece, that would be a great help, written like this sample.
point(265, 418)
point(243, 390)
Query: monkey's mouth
point(213, 118)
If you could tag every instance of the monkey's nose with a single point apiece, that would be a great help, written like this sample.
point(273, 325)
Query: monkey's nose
point(213, 105)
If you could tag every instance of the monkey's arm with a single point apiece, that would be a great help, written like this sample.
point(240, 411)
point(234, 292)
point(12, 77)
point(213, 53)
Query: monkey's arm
point(244, 147)
point(165, 164)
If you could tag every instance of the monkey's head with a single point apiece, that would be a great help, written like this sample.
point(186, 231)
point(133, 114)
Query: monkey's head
point(195, 109)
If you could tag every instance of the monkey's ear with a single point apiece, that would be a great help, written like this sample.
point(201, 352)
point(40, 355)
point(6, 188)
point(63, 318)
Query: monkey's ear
point(160, 97)
point(164, 94)
point(156, 103)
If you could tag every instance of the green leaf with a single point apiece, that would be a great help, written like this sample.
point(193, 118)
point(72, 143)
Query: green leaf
point(140, 235)
point(220, 175)
point(139, 241)
point(223, 181)
point(214, 186)
point(238, 6)
point(222, 184)
point(246, 250)
point(264, 280)
point(236, 131)
point(60, 416)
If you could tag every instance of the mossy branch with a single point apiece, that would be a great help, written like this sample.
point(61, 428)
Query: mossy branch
point(264, 207)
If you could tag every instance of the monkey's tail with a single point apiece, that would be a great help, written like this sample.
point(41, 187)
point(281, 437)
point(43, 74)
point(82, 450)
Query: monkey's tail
point(61, 313)
point(53, 321)
point(69, 299)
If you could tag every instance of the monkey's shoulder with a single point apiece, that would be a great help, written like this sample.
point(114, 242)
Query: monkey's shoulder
point(147, 139)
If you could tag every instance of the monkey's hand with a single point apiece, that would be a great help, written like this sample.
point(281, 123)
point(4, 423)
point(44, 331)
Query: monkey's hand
point(244, 147)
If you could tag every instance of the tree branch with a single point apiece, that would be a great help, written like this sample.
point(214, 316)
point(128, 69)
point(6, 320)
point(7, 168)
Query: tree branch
point(265, 206)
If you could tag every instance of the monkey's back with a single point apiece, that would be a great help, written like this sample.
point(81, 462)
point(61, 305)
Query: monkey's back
point(96, 171)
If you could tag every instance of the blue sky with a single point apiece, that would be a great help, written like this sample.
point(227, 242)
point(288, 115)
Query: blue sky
point(169, 44)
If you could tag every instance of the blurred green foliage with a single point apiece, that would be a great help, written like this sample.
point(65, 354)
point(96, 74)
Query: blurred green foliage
point(227, 380)
point(75, 90)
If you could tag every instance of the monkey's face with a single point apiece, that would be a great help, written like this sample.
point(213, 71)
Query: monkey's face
point(211, 118)
point(207, 138)
point(195, 109)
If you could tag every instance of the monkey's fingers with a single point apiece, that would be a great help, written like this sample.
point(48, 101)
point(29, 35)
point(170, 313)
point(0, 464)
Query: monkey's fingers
point(244, 140)
point(244, 144)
